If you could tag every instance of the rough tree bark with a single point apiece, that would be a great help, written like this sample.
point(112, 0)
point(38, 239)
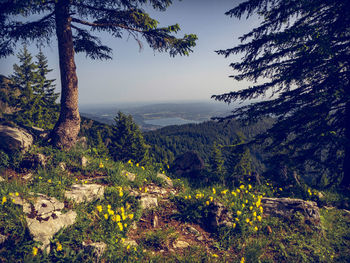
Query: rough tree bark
point(64, 134)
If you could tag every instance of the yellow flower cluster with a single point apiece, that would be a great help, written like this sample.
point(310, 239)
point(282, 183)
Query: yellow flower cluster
point(118, 216)
point(11, 195)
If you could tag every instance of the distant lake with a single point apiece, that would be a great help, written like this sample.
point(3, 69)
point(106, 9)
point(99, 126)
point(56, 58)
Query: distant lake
point(169, 121)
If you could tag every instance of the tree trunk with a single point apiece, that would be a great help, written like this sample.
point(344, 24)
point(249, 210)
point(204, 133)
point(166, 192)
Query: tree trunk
point(346, 165)
point(64, 134)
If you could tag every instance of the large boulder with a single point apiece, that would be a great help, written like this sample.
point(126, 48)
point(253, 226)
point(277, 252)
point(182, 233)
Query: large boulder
point(14, 139)
point(287, 207)
point(45, 218)
point(188, 164)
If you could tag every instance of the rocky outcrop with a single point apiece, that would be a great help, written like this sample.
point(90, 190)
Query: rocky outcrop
point(148, 201)
point(130, 176)
point(188, 164)
point(98, 249)
point(45, 218)
point(14, 139)
point(166, 179)
point(85, 192)
point(218, 216)
point(287, 207)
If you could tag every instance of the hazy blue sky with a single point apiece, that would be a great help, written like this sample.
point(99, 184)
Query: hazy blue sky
point(145, 75)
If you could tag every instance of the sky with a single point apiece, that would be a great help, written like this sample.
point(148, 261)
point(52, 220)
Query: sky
point(135, 75)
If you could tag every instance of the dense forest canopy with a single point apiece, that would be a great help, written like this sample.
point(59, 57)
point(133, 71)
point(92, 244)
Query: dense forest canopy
point(301, 51)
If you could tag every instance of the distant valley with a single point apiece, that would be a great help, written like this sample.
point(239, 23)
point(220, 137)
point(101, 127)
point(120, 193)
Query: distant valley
point(152, 116)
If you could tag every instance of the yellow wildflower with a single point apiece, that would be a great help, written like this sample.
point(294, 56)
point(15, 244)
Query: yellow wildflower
point(207, 202)
point(128, 247)
point(233, 193)
point(280, 189)
point(215, 255)
point(254, 214)
point(131, 216)
point(249, 186)
point(122, 240)
point(234, 225)
point(211, 198)
point(146, 189)
point(189, 197)
point(4, 199)
point(125, 225)
point(49, 181)
point(246, 201)
point(239, 213)
point(236, 219)
point(143, 168)
point(109, 206)
point(99, 208)
point(117, 218)
point(59, 246)
point(16, 194)
point(259, 218)
point(35, 251)
point(137, 165)
point(261, 209)
point(101, 165)
point(247, 220)
point(250, 208)
point(110, 212)
point(242, 186)
point(214, 191)
point(256, 228)
point(186, 197)
point(10, 194)
point(224, 192)
point(242, 260)
point(120, 225)
point(106, 216)
point(238, 191)
point(243, 205)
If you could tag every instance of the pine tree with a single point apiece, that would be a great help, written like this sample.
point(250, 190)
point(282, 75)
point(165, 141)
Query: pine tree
point(45, 90)
point(127, 142)
point(301, 51)
point(216, 163)
point(73, 22)
point(22, 85)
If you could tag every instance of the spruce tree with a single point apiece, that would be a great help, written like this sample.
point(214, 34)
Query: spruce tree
point(73, 23)
point(300, 54)
point(45, 90)
point(127, 142)
point(216, 163)
point(23, 96)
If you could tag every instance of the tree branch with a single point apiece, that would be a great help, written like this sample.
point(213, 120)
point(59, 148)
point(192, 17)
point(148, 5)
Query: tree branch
point(106, 25)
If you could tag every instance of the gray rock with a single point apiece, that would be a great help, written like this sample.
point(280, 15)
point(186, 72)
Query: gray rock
point(287, 207)
point(41, 159)
point(14, 139)
point(62, 166)
point(44, 229)
point(84, 161)
point(85, 192)
point(130, 176)
point(28, 176)
point(168, 181)
point(2, 239)
point(181, 244)
point(192, 230)
point(2, 179)
point(155, 221)
point(98, 247)
point(218, 215)
point(148, 201)
point(45, 218)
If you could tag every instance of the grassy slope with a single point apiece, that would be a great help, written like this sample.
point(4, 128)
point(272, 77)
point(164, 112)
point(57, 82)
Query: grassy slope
point(276, 240)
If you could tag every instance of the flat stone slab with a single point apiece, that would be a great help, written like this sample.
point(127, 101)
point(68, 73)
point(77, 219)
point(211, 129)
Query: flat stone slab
point(286, 207)
point(181, 244)
point(45, 218)
point(80, 193)
point(130, 176)
point(148, 201)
